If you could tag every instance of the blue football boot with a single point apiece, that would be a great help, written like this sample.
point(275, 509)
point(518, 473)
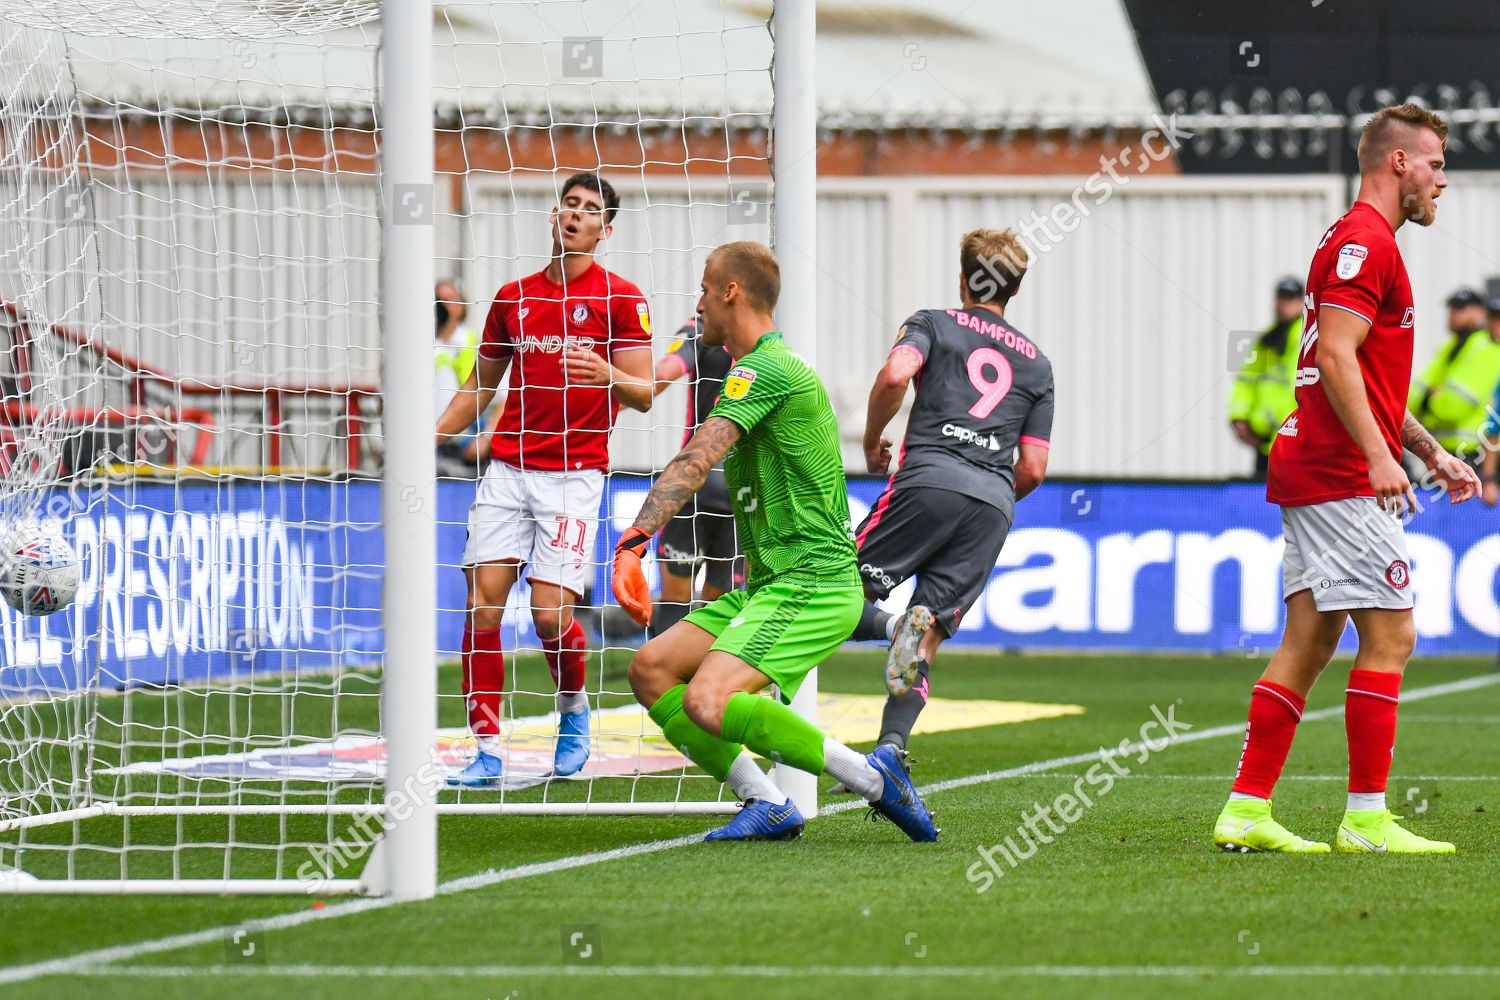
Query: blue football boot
point(898, 800)
point(760, 820)
point(572, 743)
point(484, 770)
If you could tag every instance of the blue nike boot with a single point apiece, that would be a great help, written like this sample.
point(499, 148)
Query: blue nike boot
point(899, 801)
point(572, 749)
point(484, 770)
point(760, 820)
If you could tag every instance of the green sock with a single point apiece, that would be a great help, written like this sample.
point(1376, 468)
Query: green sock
point(774, 731)
point(708, 752)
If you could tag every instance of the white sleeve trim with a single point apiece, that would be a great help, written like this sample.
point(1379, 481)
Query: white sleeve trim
point(1335, 305)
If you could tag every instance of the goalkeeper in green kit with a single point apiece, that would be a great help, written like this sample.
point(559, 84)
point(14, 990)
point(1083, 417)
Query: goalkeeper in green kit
point(776, 435)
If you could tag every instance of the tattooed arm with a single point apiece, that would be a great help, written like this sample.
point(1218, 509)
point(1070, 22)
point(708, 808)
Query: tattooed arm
point(686, 473)
point(1418, 441)
point(1447, 471)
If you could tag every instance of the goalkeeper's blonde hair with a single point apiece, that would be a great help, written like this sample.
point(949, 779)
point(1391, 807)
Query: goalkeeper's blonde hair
point(753, 267)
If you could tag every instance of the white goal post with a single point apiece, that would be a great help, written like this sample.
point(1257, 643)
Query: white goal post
point(223, 221)
point(408, 697)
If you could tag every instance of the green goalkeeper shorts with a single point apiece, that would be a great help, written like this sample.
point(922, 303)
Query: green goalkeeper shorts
point(783, 629)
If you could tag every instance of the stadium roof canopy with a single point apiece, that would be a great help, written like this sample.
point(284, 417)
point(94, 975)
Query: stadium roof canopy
point(892, 63)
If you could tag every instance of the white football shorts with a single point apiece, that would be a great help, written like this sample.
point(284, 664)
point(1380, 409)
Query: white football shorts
point(545, 520)
point(1349, 553)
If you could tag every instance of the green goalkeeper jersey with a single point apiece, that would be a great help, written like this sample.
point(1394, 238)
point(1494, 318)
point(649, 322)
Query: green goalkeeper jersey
point(786, 473)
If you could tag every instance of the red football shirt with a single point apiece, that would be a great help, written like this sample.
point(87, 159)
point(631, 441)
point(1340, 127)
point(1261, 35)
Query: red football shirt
point(1358, 268)
point(549, 425)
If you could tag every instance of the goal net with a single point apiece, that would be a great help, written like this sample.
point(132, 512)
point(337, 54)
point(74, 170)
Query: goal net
point(193, 395)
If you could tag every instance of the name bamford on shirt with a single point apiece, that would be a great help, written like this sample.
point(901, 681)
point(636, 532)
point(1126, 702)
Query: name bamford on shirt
point(994, 331)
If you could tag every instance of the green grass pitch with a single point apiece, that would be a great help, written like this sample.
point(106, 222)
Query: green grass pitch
point(1131, 900)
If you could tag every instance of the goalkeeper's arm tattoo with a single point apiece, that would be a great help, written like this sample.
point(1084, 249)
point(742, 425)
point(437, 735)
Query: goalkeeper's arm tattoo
point(686, 473)
point(1416, 439)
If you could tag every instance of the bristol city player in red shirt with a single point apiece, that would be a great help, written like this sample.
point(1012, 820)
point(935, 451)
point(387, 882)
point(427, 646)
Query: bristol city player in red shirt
point(1335, 469)
point(577, 342)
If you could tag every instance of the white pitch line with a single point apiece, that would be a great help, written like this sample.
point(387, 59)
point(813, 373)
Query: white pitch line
point(1333, 712)
point(916, 970)
point(79, 963)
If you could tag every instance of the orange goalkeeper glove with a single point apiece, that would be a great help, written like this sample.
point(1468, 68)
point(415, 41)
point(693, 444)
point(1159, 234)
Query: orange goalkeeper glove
point(629, 582)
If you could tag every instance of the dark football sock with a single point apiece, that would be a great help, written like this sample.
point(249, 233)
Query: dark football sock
point(665, 615)
point(901, 713)
point(872, 625)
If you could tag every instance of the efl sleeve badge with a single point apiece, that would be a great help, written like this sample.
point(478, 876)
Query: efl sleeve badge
point(737, 382)
point(1351, 259)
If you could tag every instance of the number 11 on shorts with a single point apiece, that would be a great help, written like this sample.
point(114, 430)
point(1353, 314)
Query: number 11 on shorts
point(580, 529)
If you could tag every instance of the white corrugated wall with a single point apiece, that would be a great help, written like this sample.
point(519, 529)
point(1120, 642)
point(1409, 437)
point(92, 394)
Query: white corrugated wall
point(223, 279)
point(1137, 306)
point(227, 279)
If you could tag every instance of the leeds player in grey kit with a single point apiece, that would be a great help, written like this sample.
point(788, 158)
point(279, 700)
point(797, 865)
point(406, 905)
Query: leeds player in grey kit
point(984, 397)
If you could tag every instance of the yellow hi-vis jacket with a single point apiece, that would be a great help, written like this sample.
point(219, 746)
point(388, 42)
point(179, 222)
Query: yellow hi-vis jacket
point(1450, 396)
point(1264, 393)
point(460, 356)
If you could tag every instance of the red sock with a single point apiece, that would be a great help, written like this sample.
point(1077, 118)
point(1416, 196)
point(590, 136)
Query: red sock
point(1274, 714)
point(466, 649)
point(484, 679)
point(1370, 724)
point(567, 658)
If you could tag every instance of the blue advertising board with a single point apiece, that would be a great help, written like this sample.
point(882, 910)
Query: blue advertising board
point(202, 582)
point(1190, 567)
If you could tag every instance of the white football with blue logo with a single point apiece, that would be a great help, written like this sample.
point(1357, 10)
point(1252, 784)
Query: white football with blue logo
point(38, 572)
